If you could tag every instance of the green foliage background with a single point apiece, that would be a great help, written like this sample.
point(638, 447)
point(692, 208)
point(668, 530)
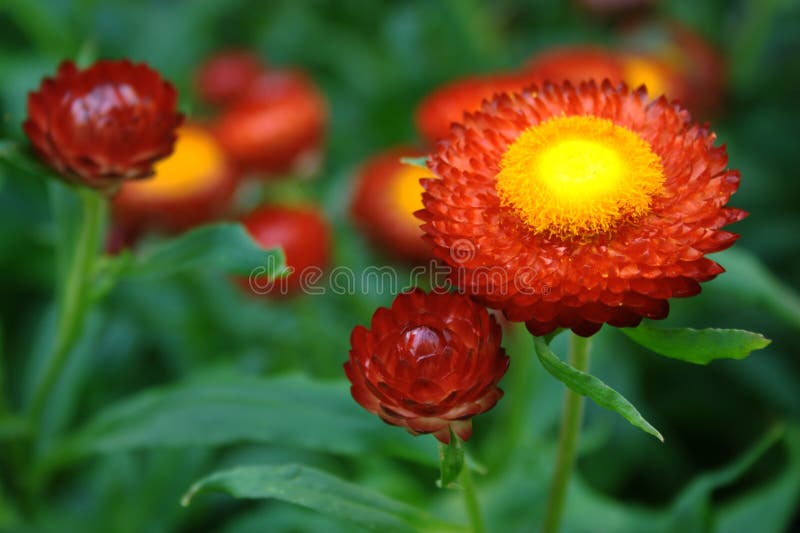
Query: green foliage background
point(232, 381)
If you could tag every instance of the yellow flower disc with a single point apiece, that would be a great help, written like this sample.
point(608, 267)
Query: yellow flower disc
point(577, 176)
point(406, 191)
point(642, 71)
point(197, 159)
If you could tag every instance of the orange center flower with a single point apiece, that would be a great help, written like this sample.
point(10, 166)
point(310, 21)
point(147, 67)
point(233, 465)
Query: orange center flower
point(194, 165)
point(650, 73)
point(574, 176)
point(406, 191)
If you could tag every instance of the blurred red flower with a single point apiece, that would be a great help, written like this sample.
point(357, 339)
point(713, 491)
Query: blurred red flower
point(447, 104)
point(276, 126)
point(577, 64)
point(595, 204)
point(224, 76)
point(429, 363)
point(387, 194)
point(192, 186)
point(303, 234)
point(696, 65)
point(107, 123)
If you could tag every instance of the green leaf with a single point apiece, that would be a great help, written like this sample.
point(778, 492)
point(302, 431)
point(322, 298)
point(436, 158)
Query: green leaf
point(293, 411)
point(225, 247)
point(699, 346)
point(590, 386)
point(421, 162)
point(322, 492)
point(451, 461)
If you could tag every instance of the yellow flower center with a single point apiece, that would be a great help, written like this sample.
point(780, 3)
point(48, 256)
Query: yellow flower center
point(196, 161)
point(576, 176)
point(406, 191)
point(642, 71)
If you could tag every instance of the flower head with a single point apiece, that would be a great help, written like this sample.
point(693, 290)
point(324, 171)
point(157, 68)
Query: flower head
point(226, 75)
point(305, 238)
point(387, 194)
point(105, 124)
point(580, 206)
point(192, 186)
point(447, 104)
point(276, 126)
point(429, 363)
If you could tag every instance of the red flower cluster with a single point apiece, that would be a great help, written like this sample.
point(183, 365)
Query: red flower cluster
point(276, 125)
point(429, 363)
point(272, 122)
point(105, 124)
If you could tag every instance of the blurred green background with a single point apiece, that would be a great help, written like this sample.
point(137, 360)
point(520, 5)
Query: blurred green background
point(375, 60)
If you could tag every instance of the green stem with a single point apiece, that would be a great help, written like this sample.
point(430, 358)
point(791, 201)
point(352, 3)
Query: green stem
point(72, 304)
point(568, 439)
point(471, 500)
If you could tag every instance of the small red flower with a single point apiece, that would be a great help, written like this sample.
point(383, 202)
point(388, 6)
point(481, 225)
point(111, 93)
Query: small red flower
point(102, 125)
point(192, 186)
point(305, 237)
point(276, 126)
point(429, 363)
point(447, 104)
point(226, 75)
point(387, 194)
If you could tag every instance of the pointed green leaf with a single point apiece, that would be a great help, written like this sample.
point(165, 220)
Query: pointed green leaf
point(451, 461)
point(226, 247)
point(291, 411)
point(590, 386)
point(321, 492)
point(699, 346)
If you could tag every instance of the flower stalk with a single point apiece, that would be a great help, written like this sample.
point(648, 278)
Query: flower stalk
point(568, 439)
point(74, 298)
point(471, 500)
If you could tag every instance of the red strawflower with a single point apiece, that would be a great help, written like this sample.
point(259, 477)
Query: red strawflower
point(192, 186)
point(447, 104)
point(277, 125)
point(386, 196)
point(226, 75)
point(305, 237)
point(107, 123)
point(574, 207)
point(429, 363)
